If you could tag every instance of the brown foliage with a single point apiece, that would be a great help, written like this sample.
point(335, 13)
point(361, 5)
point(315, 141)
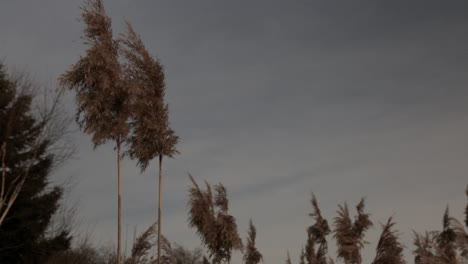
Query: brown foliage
point(101, 96)
point(184, 256)
point(142, 246)
point(205, 260)
point(461, 237)
point(349, 235)
point(151, 133)
point(316, 234)
point(144, 243)
point(389, 249)
point(441, 247)
point(466, 209)
point(427, 251)
point(201, 211)
point(252, 255)
point(446, 240)
point(302, 257)
point(288, 259)
point(215, 226)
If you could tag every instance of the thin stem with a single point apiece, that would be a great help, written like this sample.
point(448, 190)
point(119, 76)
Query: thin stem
point(3, 174)
point(119, 205)
point(159, 208)
point(17, 189)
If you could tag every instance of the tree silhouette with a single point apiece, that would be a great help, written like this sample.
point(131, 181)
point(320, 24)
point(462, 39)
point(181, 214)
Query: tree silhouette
point(28, 201)
point(151, 134)
point(101, 95)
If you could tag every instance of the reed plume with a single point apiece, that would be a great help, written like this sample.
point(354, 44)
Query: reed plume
point(252, 255)
point(288, 258)
point(210, 216)
point(151, 137)
point(141, 249)
point(389, 248)
point(102, 98)
point(316, 234)
point(349, 235)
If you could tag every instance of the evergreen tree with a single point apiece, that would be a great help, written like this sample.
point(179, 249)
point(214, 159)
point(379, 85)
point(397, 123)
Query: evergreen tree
point(23, 233)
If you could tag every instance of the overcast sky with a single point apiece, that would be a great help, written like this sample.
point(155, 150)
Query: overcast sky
point(276, 99)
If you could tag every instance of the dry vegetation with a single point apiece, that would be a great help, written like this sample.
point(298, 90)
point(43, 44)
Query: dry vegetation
point(109, 82)
point(220, 238)
point(215, 226)
point(449, 246)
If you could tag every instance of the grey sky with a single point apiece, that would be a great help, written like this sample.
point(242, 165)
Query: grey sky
point(276, 99)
